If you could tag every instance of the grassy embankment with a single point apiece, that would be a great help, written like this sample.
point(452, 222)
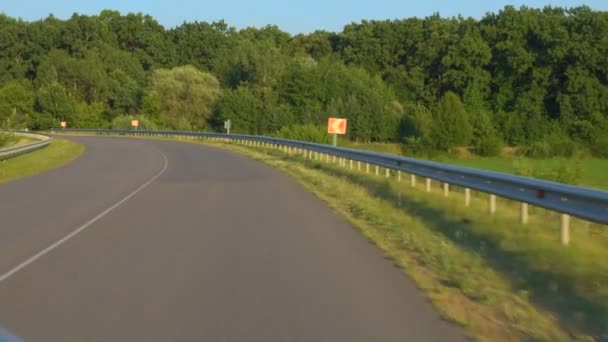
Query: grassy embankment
point(58, 153)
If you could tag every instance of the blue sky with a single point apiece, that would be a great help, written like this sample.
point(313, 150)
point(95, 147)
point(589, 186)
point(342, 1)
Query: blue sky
point(290, 15)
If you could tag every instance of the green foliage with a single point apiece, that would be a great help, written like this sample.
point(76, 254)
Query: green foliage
point(16, 104)
point(600, 148)
point(451, 126)
point(54, 100)
point(90, 115)
point(245, 110)
point(562, 170)
point(186, 97)
point(124, 122)
point(517, 76)
point(488, 146)
point(486, 141)
point(7, 138)
point(311, 133)
point(553, 144)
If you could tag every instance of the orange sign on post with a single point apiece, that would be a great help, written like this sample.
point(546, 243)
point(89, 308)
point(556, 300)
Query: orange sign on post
point(336, 126)
point(64, 124)
point(135, 123)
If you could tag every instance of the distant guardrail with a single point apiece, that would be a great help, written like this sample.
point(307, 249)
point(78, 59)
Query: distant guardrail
point(585, 203)
point(13, 151)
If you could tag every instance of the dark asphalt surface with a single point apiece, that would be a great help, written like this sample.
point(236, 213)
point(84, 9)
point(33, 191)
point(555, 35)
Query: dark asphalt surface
point(218, 248)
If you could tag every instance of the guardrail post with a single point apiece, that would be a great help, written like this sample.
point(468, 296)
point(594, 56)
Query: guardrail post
point(358, 165)
point(523, 213)
point(565, 229)
point(351, 164)
point(428, 185)
point(492, 204)
point(413, 180)
point(388, 173)
point(333, 159)
point(377, 170)
point(399, 176)
point(467, 197)
point(446, 189)
point(366, 167)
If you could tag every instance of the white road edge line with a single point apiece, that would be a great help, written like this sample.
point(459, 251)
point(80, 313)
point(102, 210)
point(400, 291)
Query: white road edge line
point(40, 254)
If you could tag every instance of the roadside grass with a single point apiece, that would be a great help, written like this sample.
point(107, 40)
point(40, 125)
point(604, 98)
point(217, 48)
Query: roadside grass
point(498, 279)
point(58, 153)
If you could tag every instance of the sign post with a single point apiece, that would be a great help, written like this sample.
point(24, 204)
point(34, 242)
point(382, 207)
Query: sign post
point(135, 124)
point(336, 126)
point(227, 125)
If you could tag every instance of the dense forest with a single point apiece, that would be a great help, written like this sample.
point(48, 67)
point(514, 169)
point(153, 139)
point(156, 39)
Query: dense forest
point(532, 78)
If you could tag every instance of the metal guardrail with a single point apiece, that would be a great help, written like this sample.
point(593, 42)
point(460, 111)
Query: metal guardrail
point(13, 151)
point(585, 203)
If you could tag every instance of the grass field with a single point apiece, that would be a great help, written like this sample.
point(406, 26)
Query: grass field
point(58, 153)
point(498, 279)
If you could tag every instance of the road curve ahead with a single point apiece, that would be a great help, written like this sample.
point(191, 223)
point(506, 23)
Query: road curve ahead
point(143, 240)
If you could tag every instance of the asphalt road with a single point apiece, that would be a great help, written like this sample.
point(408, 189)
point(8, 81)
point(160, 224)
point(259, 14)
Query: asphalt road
point(143, 240)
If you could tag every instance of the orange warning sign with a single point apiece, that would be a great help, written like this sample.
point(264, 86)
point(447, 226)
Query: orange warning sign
point(336, 126)
point(134, 123)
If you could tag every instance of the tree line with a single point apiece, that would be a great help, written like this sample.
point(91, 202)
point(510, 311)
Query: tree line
point(532, 78)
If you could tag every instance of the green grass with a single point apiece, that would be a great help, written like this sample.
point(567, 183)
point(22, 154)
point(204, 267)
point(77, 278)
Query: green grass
point(58, 153)
point(593, 171)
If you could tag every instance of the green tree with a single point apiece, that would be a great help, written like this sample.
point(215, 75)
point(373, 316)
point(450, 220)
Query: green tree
point(16, 105)
point(451, 127)
point(187, 97)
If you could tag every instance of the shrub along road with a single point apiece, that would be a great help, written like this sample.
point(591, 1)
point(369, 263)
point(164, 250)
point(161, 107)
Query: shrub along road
point(199, 244)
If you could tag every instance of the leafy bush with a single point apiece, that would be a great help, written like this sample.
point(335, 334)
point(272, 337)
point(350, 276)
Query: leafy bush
point(7, 138)
point(600, 148)
point(537, 149)
point(451, 127)
point(488, 146)
point(124, 122)
point(419, 147)
point(560, 170)
point(312, 133)
point(44, 121)
point(553, 145)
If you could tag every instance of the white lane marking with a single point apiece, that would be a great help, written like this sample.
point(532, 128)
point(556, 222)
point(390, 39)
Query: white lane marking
point(40, 254)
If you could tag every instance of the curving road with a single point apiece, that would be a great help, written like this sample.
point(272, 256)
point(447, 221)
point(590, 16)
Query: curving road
point(143, 240)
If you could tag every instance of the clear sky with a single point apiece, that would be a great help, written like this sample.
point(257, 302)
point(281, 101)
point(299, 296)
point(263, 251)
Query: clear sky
point(293, 16)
